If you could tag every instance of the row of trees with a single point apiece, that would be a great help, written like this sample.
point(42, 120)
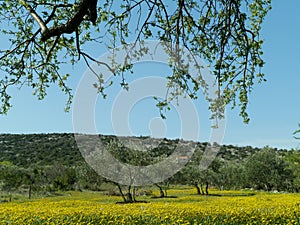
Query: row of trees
point(47, 179)
point(266, 169)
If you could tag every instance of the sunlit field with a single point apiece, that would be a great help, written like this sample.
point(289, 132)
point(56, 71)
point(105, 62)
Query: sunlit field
point(227, 207)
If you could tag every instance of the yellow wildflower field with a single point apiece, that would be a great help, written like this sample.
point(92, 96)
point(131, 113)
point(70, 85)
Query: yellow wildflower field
point(96, 208)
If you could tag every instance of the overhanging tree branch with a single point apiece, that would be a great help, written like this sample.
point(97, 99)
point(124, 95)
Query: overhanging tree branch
point(35, 16)
point(85, 7)
point(223, 33)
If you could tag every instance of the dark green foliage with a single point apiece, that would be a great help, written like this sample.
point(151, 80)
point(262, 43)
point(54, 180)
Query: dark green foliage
point(12, 177)
point(231, 175)
point(267, 170)
point(87, 178)
point(39, 149)
point(66, 180)
point(293, 164)
point(49, 162)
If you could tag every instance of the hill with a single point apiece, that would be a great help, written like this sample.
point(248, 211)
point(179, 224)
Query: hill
point(47, 149)
point(54, 162)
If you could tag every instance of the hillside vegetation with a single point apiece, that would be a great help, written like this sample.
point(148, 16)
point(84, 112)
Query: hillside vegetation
point(45, 163)
point(46, 149)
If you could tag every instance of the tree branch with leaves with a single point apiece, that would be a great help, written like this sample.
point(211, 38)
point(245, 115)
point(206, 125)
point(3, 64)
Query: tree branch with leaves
point(44, 35)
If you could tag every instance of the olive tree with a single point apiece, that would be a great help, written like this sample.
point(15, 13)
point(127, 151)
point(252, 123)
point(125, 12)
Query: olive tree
point(267, 170)
point(11, 177)
point(41, 36)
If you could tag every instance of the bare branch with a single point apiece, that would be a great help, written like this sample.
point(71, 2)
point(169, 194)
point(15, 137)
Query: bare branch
point(51, 49)
point(98, 62)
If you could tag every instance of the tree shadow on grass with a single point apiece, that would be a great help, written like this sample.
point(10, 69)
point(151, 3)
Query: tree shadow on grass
point(231, 195)
point(171, 196)
point(133, 202)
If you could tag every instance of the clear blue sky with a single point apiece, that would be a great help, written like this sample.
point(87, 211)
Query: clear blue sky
point(274, 106)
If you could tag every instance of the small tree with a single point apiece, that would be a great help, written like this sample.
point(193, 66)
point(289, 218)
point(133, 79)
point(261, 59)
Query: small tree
point(266, 170)
point(11, 177)
point(60, 177)
point(192, 175)
point(33, 178)
point(87, 178)
point(231, 176)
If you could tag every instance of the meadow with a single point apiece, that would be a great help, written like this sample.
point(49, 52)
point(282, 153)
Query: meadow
point(221, 207)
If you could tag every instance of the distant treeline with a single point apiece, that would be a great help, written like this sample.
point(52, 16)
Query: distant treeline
point(48, 162)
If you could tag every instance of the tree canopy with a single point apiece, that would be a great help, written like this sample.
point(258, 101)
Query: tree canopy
point(44, 35)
